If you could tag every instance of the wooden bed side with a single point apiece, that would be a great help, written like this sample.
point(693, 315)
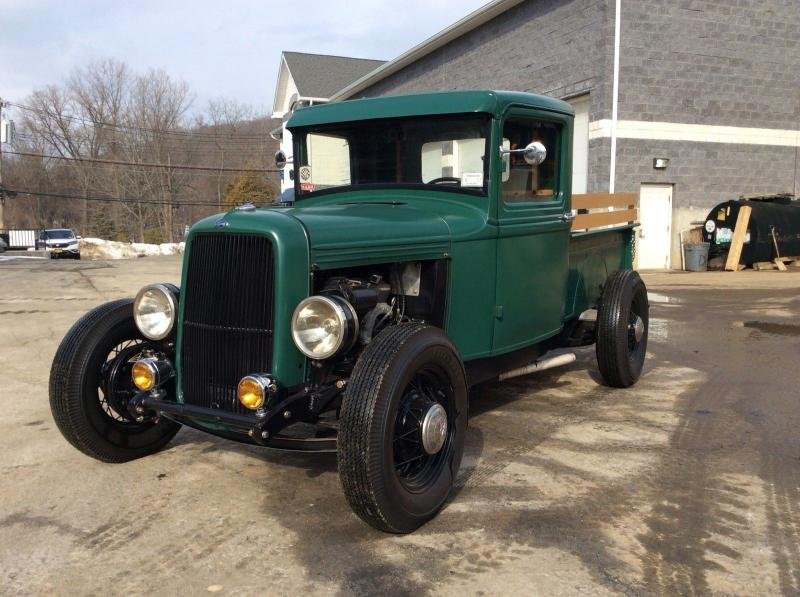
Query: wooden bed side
point(603, 209)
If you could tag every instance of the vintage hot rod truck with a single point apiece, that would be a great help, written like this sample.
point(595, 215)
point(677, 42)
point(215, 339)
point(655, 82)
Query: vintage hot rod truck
point(433, 244)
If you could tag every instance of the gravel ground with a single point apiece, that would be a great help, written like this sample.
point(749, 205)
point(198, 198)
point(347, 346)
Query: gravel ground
point(686, 483)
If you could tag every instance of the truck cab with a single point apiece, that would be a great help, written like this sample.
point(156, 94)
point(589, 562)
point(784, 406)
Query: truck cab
point(432, 244)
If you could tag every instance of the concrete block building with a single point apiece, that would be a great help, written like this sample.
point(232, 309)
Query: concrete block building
point(686, 102)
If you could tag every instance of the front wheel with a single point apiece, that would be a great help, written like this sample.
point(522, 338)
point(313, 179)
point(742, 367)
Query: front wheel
point(622, 325)
point(91, 385)
point(402, 427)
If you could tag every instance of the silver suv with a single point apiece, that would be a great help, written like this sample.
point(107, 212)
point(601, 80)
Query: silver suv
point(60, 242)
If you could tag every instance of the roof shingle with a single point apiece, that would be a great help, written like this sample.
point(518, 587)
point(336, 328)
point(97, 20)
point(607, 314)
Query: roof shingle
point(320, 75)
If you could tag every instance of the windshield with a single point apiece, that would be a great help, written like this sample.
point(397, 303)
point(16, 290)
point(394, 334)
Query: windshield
point(439, 152)
point(58, 234)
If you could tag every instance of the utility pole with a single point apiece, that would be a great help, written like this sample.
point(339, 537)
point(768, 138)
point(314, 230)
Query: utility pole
point(2, 190)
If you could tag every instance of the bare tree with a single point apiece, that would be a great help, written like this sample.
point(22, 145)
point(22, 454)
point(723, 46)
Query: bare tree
point(111, 125)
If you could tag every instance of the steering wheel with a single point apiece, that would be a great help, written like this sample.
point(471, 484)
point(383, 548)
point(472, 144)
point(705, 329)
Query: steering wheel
point(445, 180)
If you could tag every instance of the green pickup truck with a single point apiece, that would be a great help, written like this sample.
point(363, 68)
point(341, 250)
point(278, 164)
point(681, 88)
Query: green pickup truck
point(432, 245)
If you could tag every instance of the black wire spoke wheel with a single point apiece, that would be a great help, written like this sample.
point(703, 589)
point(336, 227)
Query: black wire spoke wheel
point(402, 427)
point(622, 329)
point(115, 388)
point(91, 386)
point(423, 428)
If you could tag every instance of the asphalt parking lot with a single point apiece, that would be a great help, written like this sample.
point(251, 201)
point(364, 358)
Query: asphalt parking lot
point(687, 483)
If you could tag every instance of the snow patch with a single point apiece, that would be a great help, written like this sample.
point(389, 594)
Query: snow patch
point(97, 248)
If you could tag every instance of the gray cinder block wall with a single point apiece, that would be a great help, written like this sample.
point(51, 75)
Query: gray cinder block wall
point(710, 62)
point(691, 62)
point(553, 47)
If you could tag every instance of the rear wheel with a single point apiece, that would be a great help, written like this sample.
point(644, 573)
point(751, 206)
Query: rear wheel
point(402, 427)
point(91, 385)
point(622, 326)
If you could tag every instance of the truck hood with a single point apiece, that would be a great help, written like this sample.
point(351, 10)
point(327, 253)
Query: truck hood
point(356, 230)
point(363, 232)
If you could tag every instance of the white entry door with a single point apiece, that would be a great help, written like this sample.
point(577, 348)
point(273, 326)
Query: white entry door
point(654, 245)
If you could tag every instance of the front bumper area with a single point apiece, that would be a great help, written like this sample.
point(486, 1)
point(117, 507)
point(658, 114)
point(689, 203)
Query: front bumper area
point(302, 405)
point(63, 251)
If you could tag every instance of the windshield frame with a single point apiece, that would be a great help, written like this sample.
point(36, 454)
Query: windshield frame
point(298, 142)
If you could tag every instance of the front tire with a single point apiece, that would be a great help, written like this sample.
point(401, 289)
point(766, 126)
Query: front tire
point(397, 456)
point(622, 327)
point(90, 385)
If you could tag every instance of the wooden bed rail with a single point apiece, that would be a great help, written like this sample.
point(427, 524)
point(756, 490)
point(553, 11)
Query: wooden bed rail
point(593, 209)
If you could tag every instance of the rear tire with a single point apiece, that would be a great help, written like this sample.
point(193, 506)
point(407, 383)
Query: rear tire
point(622, 327)
point(90, 384)
point(393, 476)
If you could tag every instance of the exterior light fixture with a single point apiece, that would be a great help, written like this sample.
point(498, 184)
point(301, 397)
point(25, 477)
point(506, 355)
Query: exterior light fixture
point(660, 163)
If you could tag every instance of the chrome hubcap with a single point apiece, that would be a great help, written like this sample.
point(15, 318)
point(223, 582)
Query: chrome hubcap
point(434, 428)
point(636, 329)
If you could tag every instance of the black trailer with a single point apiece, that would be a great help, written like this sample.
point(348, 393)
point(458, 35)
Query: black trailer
point(774, 220)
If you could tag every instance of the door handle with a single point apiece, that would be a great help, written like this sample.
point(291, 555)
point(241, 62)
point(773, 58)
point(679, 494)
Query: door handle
point(566, 217)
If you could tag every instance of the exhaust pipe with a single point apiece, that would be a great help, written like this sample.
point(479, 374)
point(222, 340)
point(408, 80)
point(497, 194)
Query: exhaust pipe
point(556, 361)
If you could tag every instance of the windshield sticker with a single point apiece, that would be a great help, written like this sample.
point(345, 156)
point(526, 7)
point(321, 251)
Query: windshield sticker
point(472, 179)
point(306, 183)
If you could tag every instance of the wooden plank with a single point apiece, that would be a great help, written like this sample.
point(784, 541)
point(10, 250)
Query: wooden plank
point(737, 242)
point(781, 267)
point(603, 218)
point(599, 200)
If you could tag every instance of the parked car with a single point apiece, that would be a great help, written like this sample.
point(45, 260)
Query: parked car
point(3, 246)
point(60, 242)
point(430, 247)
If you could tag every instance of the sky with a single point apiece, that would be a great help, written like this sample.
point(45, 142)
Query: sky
point(221, 48)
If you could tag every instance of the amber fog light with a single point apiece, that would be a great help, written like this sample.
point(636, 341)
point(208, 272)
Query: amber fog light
point(253, 390)
point(144, 375)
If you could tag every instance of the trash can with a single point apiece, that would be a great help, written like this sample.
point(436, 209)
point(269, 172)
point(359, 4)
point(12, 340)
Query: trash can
point(696, 255)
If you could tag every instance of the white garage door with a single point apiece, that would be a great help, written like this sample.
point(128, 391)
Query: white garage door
point(580, 144)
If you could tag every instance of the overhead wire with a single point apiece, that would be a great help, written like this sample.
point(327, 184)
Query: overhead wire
point(167, 131)
point(141, 164)
point(114, 199)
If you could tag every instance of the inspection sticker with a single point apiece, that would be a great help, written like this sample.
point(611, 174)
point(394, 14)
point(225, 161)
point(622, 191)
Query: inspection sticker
point(306, 183)
point(472, 179)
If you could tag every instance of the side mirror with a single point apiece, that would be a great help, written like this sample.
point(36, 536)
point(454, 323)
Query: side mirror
point(534, 153)
point(280, 159)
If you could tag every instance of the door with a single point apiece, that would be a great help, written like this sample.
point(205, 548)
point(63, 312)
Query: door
point(654, 245)
point(533, 231)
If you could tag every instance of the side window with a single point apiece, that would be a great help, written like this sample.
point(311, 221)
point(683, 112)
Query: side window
point(523, 183)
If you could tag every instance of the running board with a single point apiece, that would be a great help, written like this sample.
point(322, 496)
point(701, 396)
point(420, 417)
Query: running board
point(556, 361)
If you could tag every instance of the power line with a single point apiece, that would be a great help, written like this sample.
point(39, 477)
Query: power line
point(204, 144)
point(112, 199)
point(175, 132)
point(141, 164)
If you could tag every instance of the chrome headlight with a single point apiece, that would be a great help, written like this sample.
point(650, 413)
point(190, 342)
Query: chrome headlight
point(323, 326)
point(155, 310)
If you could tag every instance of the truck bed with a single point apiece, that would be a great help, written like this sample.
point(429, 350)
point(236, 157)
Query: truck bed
point(593, 256)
